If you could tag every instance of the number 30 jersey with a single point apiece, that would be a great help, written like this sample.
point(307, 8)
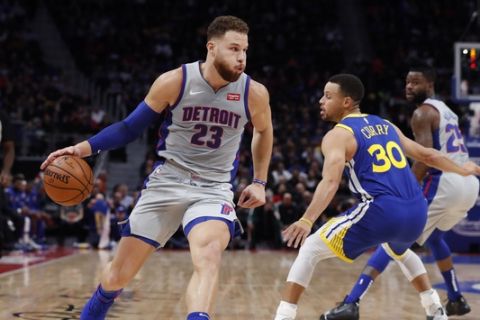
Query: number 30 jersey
point(203, 129)
point(379, 166)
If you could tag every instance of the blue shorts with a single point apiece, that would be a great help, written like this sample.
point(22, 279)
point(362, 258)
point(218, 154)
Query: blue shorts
point(386, 219)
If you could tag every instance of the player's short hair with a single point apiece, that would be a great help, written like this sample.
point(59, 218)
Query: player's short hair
point(220, 25)
point(427, 71)
point(350, 85)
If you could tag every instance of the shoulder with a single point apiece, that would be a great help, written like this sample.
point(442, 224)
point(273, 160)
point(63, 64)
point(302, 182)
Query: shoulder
point(258, 101)
point(425, 114)
point(170, 78)
point(165, 90)
point(257, 91)
point(339, 133)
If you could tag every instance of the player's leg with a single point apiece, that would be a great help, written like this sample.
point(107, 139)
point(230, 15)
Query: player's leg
point(207, 241)
point(456, 305)
point(130, 256)
point(349, 308)
point(155, 218)
point(375, 266)
point(300, 275)
point(413, 268)
point(385, 220)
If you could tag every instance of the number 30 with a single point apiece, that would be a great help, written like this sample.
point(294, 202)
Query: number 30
point(385, 157)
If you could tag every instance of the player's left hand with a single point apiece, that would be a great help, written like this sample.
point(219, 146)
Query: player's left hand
point(296, 234)
point(252, 196)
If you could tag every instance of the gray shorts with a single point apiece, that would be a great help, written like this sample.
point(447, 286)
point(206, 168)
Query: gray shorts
point(175, 196)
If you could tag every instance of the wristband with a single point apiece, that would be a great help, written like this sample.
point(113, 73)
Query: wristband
point(306, 221)
point(258, 181)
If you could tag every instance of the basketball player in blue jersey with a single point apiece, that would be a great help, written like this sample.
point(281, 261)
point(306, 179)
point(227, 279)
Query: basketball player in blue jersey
point(207, 105)
point(392, 210)
point(449, 195)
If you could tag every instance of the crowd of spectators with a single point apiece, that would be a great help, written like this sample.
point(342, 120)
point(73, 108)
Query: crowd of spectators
point(32, 92)
point(294, 47)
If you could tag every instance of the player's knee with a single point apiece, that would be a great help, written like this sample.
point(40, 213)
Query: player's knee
point(209, 257)
point(309, 247)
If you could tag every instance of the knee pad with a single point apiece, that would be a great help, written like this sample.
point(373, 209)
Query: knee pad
point(411, 265)
point(312, 251)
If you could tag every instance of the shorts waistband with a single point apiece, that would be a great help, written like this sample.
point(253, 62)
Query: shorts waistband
point(188, 174)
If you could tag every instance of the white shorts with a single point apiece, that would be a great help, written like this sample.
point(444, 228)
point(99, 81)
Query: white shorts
point(175, 196)
point(454, 197)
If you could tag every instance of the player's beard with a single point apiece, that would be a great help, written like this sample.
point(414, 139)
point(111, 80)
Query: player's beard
point(224, 71)
point(419, 97)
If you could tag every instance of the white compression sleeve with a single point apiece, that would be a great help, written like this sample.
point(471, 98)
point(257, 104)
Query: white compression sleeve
point(311, 252)
point(411, 265)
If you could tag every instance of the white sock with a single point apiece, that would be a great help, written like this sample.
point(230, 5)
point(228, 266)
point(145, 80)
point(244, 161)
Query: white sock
point(286, 311)
point(430, 301)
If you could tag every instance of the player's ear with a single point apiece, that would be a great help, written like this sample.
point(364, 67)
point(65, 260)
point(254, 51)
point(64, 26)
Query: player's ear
point(347, 102)
point(211, 46)
point(431, 85)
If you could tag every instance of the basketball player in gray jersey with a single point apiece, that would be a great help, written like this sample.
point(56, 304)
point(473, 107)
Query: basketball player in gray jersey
point(207, 105)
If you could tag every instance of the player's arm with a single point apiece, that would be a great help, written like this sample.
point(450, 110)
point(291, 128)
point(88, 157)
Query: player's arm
point(163, 92)
point(334, 149)
point(435, 158)
point(422, 123)
point(262, 141)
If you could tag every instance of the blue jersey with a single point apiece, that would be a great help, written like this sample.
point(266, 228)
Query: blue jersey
point(379, 166)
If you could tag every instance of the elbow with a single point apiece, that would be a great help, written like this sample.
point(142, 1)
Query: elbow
point(431, 157)
point(331, 185)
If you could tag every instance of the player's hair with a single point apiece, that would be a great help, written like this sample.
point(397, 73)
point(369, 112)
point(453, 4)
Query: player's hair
point(220, 25)
point(427, 71)
point(350, 85)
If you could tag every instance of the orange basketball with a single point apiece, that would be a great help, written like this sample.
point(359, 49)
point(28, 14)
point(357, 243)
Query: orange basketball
point(68, 180)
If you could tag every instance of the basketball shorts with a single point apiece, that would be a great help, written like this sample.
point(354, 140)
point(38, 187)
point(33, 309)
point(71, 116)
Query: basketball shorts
point(386, 219)
point(175, 196)
point(450, 197)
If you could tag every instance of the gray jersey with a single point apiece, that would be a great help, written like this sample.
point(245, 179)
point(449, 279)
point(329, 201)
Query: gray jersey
point(203, 129)
point(448, 138)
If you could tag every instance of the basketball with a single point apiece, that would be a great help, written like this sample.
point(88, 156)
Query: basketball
point(68, 180)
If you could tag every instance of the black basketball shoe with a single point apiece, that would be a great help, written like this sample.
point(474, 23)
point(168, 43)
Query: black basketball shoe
point(344, 311)
point(457, 307)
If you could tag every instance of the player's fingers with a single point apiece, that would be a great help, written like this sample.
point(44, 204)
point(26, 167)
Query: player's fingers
point(299, 238)
point(241, 200)
point(293, 237)
point(305, 235)
point(248, 202)
point(52, 156)
point(47, 161)
point(286, 233)
point(252, 203)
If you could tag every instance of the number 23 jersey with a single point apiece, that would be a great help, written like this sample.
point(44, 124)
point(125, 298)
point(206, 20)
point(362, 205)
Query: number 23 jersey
point(203, 129)
point(379, 166)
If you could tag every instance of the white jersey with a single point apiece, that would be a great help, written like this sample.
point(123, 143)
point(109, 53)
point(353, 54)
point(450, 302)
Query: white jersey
point(203, 129)
point(449, 195)
point(448, 137)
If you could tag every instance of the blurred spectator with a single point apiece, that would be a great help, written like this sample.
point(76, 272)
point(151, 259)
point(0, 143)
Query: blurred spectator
point(71, 224)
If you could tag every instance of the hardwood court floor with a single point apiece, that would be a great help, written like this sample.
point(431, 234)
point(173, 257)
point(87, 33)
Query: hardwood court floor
point(249, 289)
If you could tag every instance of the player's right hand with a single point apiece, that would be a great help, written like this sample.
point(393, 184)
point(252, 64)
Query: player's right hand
point(472, 168)
point(72, 150)
point(296, 234)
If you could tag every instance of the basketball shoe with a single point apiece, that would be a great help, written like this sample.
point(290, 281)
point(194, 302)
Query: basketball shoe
point(457, 307)
point(438, 314)
point(344, 311)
